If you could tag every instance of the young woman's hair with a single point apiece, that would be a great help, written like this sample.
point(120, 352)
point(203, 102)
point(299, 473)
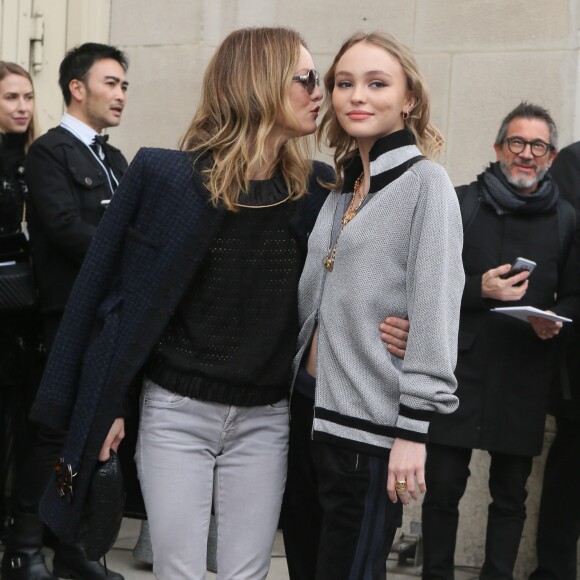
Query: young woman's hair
point(11, 68)
point(245, 92)
point(429, 139)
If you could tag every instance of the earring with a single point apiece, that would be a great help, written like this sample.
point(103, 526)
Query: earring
point(405, 115)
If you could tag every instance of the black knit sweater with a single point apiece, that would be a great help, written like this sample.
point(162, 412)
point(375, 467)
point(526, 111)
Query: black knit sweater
point(233, 336)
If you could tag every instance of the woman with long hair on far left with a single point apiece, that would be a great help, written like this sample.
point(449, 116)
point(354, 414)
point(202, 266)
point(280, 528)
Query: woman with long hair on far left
point(21, 345)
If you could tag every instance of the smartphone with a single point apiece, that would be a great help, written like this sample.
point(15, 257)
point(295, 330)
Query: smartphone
point(520, 265)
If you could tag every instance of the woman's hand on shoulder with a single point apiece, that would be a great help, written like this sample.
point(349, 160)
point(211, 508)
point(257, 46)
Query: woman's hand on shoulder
point(406, 464)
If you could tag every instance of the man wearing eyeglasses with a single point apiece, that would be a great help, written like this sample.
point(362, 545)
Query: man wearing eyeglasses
point(504, 365)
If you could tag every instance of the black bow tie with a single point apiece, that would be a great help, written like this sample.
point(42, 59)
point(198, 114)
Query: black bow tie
point(101, 140)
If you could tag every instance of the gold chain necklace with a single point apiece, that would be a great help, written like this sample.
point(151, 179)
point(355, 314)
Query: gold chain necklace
point(348, 216)
point(264, 206)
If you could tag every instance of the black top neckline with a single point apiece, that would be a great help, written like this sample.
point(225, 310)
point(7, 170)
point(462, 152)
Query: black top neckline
point(264, 192)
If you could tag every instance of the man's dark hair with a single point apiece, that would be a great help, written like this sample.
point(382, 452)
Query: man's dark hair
point(527, 110)
point(78, 61)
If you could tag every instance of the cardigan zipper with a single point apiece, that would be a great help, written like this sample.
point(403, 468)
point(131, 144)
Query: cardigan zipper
point(316, 320)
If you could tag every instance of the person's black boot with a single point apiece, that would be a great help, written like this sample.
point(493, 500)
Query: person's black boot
point(23, 559)
point(71, 562)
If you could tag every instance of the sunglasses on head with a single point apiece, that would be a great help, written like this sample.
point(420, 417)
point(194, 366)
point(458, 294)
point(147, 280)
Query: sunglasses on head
point(310, 80)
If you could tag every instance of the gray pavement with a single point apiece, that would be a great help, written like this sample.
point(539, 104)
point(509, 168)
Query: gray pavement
point(121, 560)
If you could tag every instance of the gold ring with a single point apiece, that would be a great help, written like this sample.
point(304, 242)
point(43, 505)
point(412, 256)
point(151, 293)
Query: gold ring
point(401, 487)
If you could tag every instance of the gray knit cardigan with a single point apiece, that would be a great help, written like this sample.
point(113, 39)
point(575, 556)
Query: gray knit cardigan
point(400, 256)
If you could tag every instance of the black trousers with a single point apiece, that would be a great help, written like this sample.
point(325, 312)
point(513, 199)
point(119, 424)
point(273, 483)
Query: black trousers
point(22, 360)
point(35, 468)
point(338, 521)
point(446, 473)
point(559, 522)
point(39, 450)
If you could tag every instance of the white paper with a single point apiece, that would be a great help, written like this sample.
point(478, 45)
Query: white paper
point(522, 312)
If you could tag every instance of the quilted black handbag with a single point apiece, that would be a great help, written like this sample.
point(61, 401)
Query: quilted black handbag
point(103, 509)
point(17, 287)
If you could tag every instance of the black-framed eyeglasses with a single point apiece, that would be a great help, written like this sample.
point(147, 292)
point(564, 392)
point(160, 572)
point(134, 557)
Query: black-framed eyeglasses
point(538, 147)
point(310, 80)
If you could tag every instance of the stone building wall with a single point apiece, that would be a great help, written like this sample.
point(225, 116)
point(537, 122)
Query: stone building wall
point(481, 58)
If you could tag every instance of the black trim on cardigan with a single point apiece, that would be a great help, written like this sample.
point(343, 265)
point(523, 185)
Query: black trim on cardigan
point(353, 422)
point(356, 446)
point(415, 414)
point(390, 142)
point(380, 181)
point(369, 427)
point(411, 435)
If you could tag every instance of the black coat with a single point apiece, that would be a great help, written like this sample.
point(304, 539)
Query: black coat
point(504, 370)
point(66, 186)
point(566, 400)
point(12, 192)
point(147, 251)
point(566, 172)
point(21, 349)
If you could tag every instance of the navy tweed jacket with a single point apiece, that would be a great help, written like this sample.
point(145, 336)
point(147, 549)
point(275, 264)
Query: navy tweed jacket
point(148, 247)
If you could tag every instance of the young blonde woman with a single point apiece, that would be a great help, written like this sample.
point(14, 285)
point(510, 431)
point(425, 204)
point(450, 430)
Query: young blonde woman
point(21, 347)
point(387, 241)
point(192, 282)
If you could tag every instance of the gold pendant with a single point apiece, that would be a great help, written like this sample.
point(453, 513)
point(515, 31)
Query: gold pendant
point(348, 217)
point(329, 263)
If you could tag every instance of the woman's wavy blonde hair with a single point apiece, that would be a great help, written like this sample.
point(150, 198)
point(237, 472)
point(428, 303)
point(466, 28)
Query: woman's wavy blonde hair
point(245, 93)
point(11, 68)
point(429, 139)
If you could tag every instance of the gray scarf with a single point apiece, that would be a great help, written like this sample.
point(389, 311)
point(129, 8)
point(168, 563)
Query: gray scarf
point(497, 192)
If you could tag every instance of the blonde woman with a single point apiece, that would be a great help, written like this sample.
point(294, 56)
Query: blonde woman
point(192, 281)
point(387, 241)
point(21, 348)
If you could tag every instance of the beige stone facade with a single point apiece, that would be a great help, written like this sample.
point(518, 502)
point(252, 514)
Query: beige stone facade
point(481, 58)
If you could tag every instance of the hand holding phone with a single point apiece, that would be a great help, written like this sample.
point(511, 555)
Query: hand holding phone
point(520, 265)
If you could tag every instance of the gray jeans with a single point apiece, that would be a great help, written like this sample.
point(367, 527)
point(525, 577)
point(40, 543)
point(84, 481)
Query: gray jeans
point(190, 453)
